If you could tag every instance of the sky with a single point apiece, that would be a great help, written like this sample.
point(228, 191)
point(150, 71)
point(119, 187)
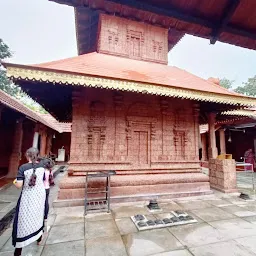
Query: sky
point(40, 31)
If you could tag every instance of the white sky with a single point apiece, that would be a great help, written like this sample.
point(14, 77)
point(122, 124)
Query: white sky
point(39, 31)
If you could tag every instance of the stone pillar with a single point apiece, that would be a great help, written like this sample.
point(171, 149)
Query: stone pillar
point(212, 151)
point(223, 175)
point(204, 147)
point(222, 141)
point(15, 157)
point(49, 144)
point(197, 130)
point(43, 144)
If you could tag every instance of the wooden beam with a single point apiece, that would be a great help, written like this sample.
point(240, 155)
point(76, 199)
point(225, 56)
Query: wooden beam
point(173, 13)
point(227, 15)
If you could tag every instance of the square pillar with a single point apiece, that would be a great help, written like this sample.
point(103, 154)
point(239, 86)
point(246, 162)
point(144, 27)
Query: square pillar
point(222, 141)
point(212, 150)
point(204, 147)
point(15, 157)
point(43, 143)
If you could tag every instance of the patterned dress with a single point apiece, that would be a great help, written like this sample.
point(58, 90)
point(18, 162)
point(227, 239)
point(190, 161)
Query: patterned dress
point(29, 217)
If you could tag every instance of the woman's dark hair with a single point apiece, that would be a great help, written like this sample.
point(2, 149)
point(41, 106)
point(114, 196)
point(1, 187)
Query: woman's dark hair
point(33, 154)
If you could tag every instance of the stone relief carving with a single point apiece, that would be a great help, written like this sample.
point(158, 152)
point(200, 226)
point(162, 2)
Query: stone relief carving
point(96, 130)
point(123, 37)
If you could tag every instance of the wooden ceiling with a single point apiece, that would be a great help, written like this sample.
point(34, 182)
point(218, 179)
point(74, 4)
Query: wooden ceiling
point(229, 21)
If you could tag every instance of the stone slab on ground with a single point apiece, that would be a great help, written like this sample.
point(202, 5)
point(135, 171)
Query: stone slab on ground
point(223, 229)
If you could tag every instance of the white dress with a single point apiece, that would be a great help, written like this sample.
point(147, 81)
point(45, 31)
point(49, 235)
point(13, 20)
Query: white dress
point(29, 217)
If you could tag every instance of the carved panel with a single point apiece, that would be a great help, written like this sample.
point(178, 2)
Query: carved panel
point(96, 130)
point(180, 141)
point(123, 37)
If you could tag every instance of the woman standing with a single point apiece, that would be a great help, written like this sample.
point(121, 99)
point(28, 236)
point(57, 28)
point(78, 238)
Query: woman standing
point(48, 181)
point(249, 158)
point(29, 217)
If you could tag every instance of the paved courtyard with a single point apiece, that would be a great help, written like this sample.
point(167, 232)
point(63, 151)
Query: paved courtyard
point(226, 226)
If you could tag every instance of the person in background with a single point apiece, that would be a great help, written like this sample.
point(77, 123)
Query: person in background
point(250, 159)
point(48, 181)
point(28, 222)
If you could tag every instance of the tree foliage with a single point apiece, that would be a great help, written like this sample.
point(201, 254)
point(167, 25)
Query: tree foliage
point(7, 86)
point(5, 83)
point(248, 88)
point(226, 83)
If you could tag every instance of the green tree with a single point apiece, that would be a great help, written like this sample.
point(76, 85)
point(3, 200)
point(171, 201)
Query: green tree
point(248, 88)
point(9, 87)
point(5, 84)
point(226, 83)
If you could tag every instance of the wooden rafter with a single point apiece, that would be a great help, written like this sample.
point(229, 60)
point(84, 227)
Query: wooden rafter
point(227, 15)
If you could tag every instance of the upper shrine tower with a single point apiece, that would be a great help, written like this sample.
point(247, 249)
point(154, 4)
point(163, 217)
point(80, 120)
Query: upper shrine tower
point(132, 39)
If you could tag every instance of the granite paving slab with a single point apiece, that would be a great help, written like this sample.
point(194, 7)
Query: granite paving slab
point(66, 233)
point(218, 202)
point(229, 248)
point(174, 253)
point(63, 220)
point(234, 228)
point(5, 237)
point(127, 211)
point(102, 228)
point(75, 248)
point(251, 219)
point(126, 226)
point(238, 211)
point(248, 242)
point(150, 242)
point(197, 234)
point(171, 206)
point(193, 204)
point(107, 246)
point(212, 214)
point(3, 205)
point(98, 216)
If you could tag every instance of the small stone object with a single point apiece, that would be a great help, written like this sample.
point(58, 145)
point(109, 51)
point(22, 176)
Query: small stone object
point(139, 217)
point(175, 219)
point(153, 205)
point(189, 218)
point(150, 223)
point(244, 196)
point(182, 218)
point(141, 224)
point(159, 222)
point(167, 221)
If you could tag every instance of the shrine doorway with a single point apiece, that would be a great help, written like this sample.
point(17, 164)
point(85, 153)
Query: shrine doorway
point(140, 147)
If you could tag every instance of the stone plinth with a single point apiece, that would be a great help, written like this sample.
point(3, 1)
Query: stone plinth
point(138, 186)
point(223, 175)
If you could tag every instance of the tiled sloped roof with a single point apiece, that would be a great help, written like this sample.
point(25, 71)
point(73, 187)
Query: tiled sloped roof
point(117, 73)
point(14, 104)
point(133, 70)
point(63, 127)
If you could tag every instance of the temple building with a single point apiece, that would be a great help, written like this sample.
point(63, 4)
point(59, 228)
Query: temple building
point(130, 111)
point(235, 133)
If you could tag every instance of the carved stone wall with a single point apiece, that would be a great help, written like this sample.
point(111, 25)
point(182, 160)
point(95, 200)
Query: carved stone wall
point(131, 39)
point(127, 131)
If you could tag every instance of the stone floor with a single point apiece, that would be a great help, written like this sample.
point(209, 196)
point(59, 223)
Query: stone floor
point(226, 226)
